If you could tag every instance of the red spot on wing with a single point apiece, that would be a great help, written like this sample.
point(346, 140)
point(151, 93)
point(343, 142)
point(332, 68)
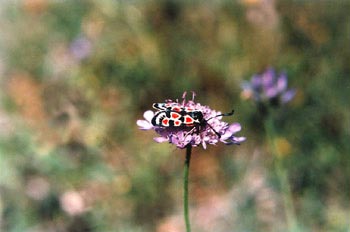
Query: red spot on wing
point(174, 115)
point(165, 122)
point(177, 123)
point(188, 120)
point(177, 109)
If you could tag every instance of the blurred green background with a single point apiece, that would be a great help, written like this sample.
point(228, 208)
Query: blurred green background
point(76, 75)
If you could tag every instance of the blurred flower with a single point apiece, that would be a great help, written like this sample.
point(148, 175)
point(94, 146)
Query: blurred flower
point(268, 87)
point(262, 13)
point(283, 147)
point(37, 188)
point(6, 125)
point(80, 48)
point(73, 203)
point(207, 130)
point(173, 224)
point(35, 6)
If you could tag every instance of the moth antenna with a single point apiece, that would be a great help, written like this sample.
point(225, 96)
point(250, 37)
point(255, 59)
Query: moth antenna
point(225, 114)
point(217, 133)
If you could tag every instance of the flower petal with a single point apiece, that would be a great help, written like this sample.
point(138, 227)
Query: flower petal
point(228, 137)
point(282, 83)
point(148, 115)
point(234, 140)
point(256, 82)
point(271, 92)
point(287, 96)
point(234, 127)
point(160, 139)
point(239, 139)
point(182, 140)
point(268, 77)
point(144, 125)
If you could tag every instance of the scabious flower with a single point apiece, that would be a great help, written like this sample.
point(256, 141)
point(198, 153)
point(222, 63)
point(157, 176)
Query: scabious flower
point(212, 131)
point(268, 87)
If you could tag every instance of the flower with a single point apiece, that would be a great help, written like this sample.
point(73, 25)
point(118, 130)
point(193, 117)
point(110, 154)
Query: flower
point(210, 130)
point(81, 48)
point(72, 203)
point(268, 87)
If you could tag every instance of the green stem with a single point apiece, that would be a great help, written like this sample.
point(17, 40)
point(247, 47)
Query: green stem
point(282, 175)
point(186, 171)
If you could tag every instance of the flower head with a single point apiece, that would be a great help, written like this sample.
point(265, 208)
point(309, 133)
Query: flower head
point(268, 87)
point(196, 125)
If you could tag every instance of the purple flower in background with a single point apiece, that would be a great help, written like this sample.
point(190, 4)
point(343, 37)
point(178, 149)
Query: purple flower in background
point(268, 87)
point(204, 124)
point(80, 48)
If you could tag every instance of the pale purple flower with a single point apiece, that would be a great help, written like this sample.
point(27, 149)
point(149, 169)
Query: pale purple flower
point(211, 131)
point(268, 87)
point(81, 48)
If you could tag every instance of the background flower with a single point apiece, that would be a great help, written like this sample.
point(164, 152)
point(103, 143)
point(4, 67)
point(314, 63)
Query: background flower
point(268, 87)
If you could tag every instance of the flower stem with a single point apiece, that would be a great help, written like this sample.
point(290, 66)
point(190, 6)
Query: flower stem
point(186, 171)
point(282, 175)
